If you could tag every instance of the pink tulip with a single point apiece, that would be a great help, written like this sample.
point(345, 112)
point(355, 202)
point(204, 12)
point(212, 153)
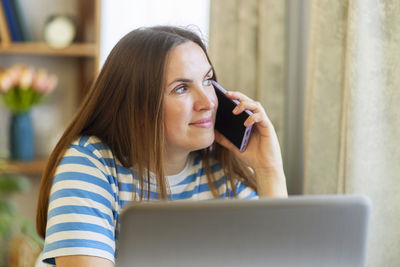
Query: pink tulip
point(15, 74)
point(52, 83)
point(6, 82)
point(26, 78)
point(39, 83)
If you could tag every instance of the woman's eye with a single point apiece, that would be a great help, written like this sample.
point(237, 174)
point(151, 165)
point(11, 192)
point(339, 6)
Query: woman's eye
point(207, 82)
point(180, 90)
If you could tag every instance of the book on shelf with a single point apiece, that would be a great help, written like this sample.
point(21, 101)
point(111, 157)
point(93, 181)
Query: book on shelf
point(12, 20)
point(4, 33)
point(23, 25)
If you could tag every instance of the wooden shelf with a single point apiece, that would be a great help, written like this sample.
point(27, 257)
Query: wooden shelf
point(35, 167)
point(40, 48)
point(77, 75)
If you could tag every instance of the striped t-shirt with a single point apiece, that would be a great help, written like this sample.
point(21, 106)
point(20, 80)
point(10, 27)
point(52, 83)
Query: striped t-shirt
point(91, 187)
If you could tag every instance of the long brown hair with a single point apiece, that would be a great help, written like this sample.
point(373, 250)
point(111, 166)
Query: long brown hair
point(124, 109)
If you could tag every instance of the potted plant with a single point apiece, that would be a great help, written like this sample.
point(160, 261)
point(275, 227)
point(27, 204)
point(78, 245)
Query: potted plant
point(21, 88)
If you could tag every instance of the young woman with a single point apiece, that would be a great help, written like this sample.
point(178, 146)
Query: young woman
point(145, 132)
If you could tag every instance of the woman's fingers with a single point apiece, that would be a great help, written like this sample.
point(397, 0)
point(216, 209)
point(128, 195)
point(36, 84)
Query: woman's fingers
point(237, 95)
point(255, 118)
point(259, 116)
point(245, 103)
point(249, 105)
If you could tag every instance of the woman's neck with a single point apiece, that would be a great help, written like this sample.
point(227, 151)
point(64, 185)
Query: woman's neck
point(175, 163)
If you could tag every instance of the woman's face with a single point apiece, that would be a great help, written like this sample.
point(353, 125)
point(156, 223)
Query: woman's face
point(190, 102)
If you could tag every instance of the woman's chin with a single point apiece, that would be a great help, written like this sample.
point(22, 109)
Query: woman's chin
point(206, 142)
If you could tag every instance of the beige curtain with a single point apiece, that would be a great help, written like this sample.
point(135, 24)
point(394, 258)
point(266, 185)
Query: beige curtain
point(247, 47)
point(352, 109)
point(353, 115)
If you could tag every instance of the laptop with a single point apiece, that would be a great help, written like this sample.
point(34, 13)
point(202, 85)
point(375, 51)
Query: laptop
point(329, 230)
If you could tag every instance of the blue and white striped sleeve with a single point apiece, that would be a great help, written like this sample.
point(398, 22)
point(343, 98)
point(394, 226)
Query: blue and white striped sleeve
point(81, 216)
point(245, 192)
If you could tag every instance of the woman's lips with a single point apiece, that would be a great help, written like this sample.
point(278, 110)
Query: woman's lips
point(203, 123)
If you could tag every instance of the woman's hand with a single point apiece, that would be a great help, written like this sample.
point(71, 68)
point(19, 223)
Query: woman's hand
point(263, 153)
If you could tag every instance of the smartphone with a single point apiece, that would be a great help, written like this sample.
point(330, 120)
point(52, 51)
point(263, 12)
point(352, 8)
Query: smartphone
point(228, 124)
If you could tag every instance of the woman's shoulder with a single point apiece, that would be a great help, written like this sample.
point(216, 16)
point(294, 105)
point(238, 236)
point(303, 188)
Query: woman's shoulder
point(90, 142)
point(89, 160)
point(90, 150)
point(92, 146)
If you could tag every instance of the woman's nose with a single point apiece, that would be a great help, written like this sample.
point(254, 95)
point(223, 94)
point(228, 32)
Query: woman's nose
point(204, 99)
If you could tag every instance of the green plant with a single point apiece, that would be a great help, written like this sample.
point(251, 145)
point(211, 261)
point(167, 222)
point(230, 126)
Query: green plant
point(11, 222)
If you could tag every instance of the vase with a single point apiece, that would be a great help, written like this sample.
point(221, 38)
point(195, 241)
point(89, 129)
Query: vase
point(21, 137)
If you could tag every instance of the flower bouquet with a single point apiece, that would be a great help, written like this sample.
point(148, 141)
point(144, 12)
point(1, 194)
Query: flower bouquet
point(21, 88)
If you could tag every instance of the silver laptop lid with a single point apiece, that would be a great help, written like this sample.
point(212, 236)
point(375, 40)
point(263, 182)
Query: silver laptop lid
point(297, 231)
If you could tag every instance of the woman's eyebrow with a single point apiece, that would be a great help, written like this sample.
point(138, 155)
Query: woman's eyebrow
point(183, 80)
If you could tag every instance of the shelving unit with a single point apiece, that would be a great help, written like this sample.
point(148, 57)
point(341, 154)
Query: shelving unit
point(83, 53)
point(40, 48)
point(32, 168)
